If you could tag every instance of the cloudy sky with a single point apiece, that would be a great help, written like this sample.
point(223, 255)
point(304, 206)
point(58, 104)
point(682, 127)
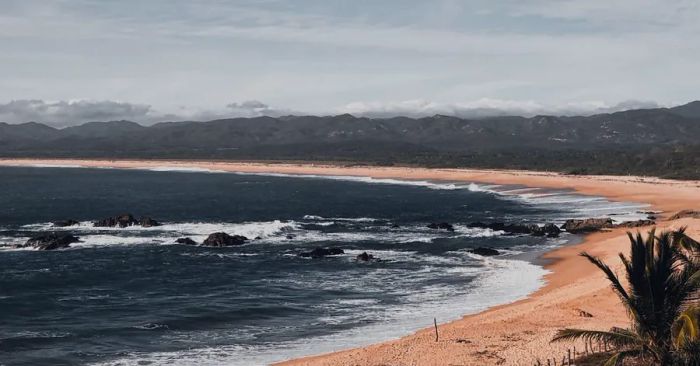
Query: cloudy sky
point(70, 61)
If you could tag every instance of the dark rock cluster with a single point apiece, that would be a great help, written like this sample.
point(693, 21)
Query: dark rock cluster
point(322, 252)
point(125, 220)
point(51, 241)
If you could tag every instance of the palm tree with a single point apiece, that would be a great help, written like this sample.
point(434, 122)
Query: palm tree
point(662, 281)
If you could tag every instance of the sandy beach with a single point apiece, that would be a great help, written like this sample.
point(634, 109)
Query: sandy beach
point(510, 334)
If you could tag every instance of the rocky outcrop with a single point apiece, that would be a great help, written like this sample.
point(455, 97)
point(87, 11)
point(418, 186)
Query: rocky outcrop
point(321, 252)
point(549, 230)
point(638, 223)
point(576, 226)
point(441, 226)
point(51, 241)
point(224, 240)
point(122, 221)
point(186, 241)
point(148, 222)
point(486, 252)
point(65, 223)
point(125, 220)
point(693, 214)
point(364, 257)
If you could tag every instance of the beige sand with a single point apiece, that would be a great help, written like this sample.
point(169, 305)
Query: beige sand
point(511, 334)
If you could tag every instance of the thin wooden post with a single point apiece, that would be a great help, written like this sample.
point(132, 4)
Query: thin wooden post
point(568, 351)
point(437, 336)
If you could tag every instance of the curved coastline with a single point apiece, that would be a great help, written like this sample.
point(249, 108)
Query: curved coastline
point(511, 334)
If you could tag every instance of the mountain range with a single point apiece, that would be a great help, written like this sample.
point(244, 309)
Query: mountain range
point(661, 141)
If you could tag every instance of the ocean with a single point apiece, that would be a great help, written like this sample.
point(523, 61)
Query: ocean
point(132, 296)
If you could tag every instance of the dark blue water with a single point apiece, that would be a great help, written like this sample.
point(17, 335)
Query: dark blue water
point(131, 296)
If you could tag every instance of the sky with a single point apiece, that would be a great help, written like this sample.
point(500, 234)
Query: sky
point(66, 62)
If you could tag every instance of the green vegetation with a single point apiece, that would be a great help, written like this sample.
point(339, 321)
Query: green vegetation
point(649, 142)
point(663, 275)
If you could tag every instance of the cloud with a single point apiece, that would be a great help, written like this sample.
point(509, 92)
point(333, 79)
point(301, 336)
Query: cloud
point(65, 113)
point(485, 107)
point(254, 108)
point(70, 113)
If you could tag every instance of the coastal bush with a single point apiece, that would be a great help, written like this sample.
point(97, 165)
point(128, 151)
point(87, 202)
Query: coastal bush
point(663, 275)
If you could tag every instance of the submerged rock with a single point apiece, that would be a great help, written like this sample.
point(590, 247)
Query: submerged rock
point(51, 241)
point(441, 225)
point(65, 223)
point(364, 257)
point(487, 252)
point(576, 226)
point(322, 252)
point(224, 240)
point(187, 241)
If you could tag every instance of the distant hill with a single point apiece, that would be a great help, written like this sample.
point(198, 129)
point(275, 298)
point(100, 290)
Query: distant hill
point(690, 110)
point(649, 141)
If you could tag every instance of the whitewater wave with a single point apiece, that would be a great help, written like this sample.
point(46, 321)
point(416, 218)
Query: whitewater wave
point(183, 169)
point(497, 281)
point(266, 232)
point(351, 219)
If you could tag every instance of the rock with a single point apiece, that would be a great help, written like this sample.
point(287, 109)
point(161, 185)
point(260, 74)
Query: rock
point(224, 240)
point(576, 226)
point(486, 252)
point(693, 214)
point(51, 241)
point(148, 222)
point(321, 252)
point(549, 230)
point(122, 220)
point(442, 225)
point(481, 225)
point(648, 212)
point(65, 223)
point(638, 223)
point(364, 257)
point(187, 241)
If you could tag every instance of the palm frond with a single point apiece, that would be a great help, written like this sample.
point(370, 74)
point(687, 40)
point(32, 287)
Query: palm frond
point(686, 328)
point(619, 338)
point(682, 240)
point(614, 281)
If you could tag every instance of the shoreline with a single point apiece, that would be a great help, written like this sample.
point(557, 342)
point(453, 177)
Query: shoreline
point(515, 333)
